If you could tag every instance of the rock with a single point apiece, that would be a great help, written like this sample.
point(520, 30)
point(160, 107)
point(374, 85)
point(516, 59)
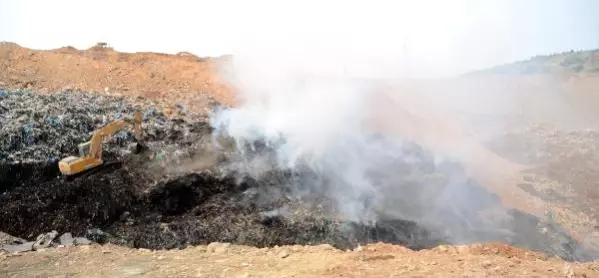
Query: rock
point(10, 240)
point(283, 254)
point(81, 241)
point(18, 248)
point(487, 263)
point(44, 240)
point(218, 247)
point(66, 239)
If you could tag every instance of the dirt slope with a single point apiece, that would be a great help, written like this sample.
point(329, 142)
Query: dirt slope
point(181, 78)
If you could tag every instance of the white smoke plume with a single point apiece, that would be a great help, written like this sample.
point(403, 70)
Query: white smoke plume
point(320, 104)
point(311, 120)
point(317, 114)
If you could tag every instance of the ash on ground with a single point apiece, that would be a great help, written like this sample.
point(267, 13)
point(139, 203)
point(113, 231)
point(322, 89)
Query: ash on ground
point(175, 194)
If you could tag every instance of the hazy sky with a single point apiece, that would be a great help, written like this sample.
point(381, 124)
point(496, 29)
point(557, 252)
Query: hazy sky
point(429, 37)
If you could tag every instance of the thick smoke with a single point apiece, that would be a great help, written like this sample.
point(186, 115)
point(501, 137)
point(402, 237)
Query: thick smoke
point(353, 137)
point(385, 149)
point(312, 123)
point(315, 115)
point(366, 141)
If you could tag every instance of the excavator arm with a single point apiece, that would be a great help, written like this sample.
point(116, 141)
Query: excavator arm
point(95, 147)
point(91, 151)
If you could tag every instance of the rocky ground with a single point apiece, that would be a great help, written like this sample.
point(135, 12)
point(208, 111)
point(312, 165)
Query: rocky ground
point(176, 195)
point(224, 260)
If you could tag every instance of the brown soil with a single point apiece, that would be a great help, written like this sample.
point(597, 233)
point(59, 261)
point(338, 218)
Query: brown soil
point(222, 260)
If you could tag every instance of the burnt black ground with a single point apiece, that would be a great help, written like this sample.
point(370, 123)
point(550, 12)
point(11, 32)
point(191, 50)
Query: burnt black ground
point(146, 204)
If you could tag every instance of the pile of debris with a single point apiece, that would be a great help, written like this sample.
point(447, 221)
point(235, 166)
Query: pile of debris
point(37, 130)
point(159, 199)
point(46, 127)
point(43, 241)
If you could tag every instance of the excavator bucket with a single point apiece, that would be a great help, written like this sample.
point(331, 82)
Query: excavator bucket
point(139, 145)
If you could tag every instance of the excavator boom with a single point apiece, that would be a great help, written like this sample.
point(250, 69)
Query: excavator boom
point(91, 152)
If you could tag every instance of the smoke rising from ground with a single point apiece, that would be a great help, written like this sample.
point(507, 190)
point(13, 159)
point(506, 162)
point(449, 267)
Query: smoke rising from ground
point(333, 117)
point(310, 121)
point(353, 135)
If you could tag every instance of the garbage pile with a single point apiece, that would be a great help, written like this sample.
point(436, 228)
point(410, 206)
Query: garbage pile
point(159, 200)
point(47, 127)
point(37, 130)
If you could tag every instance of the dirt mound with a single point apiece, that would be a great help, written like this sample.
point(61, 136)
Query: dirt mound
point(170, 79)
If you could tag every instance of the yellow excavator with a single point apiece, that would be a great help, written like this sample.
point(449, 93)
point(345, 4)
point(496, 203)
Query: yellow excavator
point(90, 152)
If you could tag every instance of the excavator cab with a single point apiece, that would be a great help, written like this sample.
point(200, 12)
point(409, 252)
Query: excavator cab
point(84, 148)
point(90, 153)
